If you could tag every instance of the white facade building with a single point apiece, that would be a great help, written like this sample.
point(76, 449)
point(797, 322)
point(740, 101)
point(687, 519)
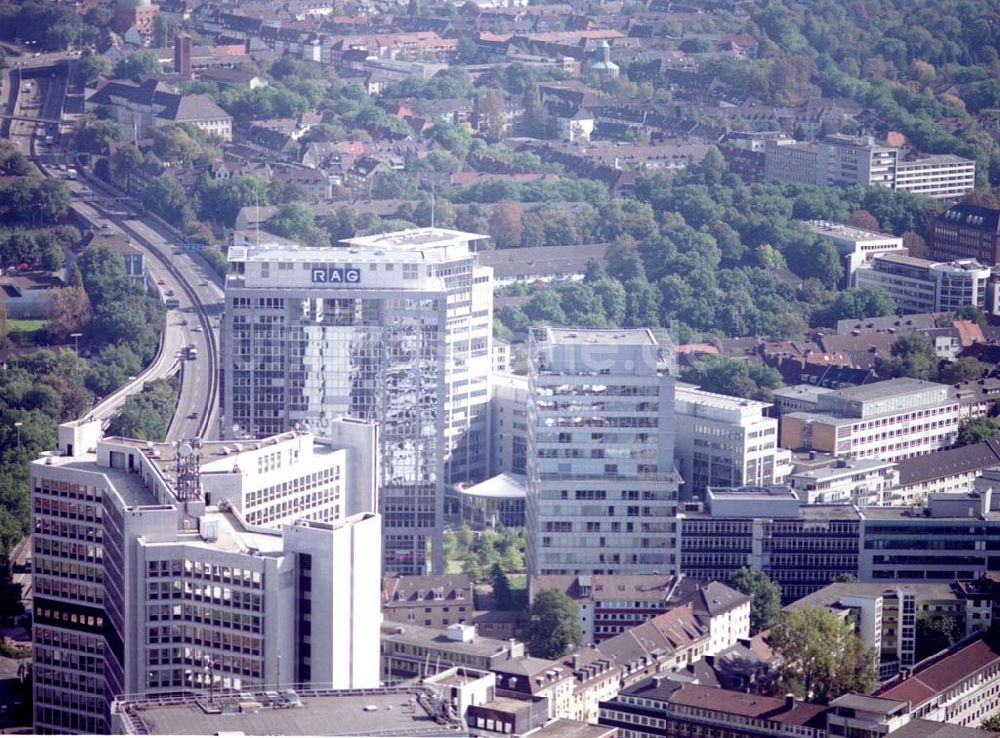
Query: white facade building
point(861, 482)
point(394, 328)
point(149, 579)
point(602, 487)
point(858, 160)
point(724, 441)
point(924, 286)
point(856, 246)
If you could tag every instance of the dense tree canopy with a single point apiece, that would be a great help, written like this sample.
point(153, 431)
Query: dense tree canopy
point(553, 625)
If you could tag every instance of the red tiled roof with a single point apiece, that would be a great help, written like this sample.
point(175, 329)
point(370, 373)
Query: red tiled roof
point(747, 705)
point(941, 673)
point(968, 332)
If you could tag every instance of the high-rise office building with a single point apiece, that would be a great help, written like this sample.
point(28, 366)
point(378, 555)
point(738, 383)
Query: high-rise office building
point(394, 328)
point(201, 566)
point(602, 487)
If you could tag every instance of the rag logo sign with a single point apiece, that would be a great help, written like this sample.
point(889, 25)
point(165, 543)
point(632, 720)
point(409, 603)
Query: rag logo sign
point(336, 275)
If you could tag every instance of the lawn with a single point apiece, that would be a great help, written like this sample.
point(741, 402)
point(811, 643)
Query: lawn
point(26, 325)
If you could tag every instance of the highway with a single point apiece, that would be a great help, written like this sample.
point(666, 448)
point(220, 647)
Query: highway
point(196, 288)
point(183, 276)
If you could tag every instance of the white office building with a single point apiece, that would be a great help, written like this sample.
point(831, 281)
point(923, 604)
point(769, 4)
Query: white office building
point(149, 578)
point(394, 328)
point(856, 246)
point(602, 487)
point(861, 482)
point(923, 286)
point(725, 441)
point(859, 160)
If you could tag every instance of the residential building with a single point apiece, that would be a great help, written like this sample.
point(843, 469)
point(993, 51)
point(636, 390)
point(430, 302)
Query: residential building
point(921, 286)
point(860, 482)
point(161, 568)
point(891, 420)
point(724, 441)
point(433, 600)
point(602, 487)
point(960, 686)
point(856, 246)
point(415, 710)
point(141, 107)
point(669, 642)
point(948, 470)
point(410, 651)
point(802, 547)
point(394, 328)
point(966, 232)
point(610, 605)
point(509, 423)
point(664, 708)
point(884, 615)
point(529, 678)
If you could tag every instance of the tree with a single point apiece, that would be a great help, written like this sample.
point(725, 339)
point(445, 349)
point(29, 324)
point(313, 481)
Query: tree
point(553, 625)
point(822, 657)
point(502, 598)
point(961, 370)
point(166, 197)
point(70, 312)
point(506, 224)
point(865, 220)
point(138, 63)
point(936, 632)
point(991, 723)
point(93, 66)
point(491, 114)
point(104, 276)
point(765, 604)
point(976, 430)
point(911, 355)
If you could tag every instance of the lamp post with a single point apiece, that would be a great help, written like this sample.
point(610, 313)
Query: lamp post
point(18, 425)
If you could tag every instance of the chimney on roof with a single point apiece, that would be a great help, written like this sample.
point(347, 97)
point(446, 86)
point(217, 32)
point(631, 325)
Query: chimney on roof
point(789, 701)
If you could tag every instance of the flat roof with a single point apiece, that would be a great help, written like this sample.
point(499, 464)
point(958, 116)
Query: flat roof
point(425, 637)
point(129, 486)
point(563, 728)
point(414, 238)
point(869, 704)
point(827, 228)
point(887, 388)
point(621, 337)
point(394, 713)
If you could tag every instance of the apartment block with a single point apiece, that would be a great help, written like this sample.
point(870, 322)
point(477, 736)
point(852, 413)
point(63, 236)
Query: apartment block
point(960, 686)
point(395, 329)
point(150, 577)
point(602, 487)
point(888, 421)
point(966, 232)
point(885, 614)
point(860, 482)
point(434, 600)
point(856, 246)
point(924, 286)
point(724, 441)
